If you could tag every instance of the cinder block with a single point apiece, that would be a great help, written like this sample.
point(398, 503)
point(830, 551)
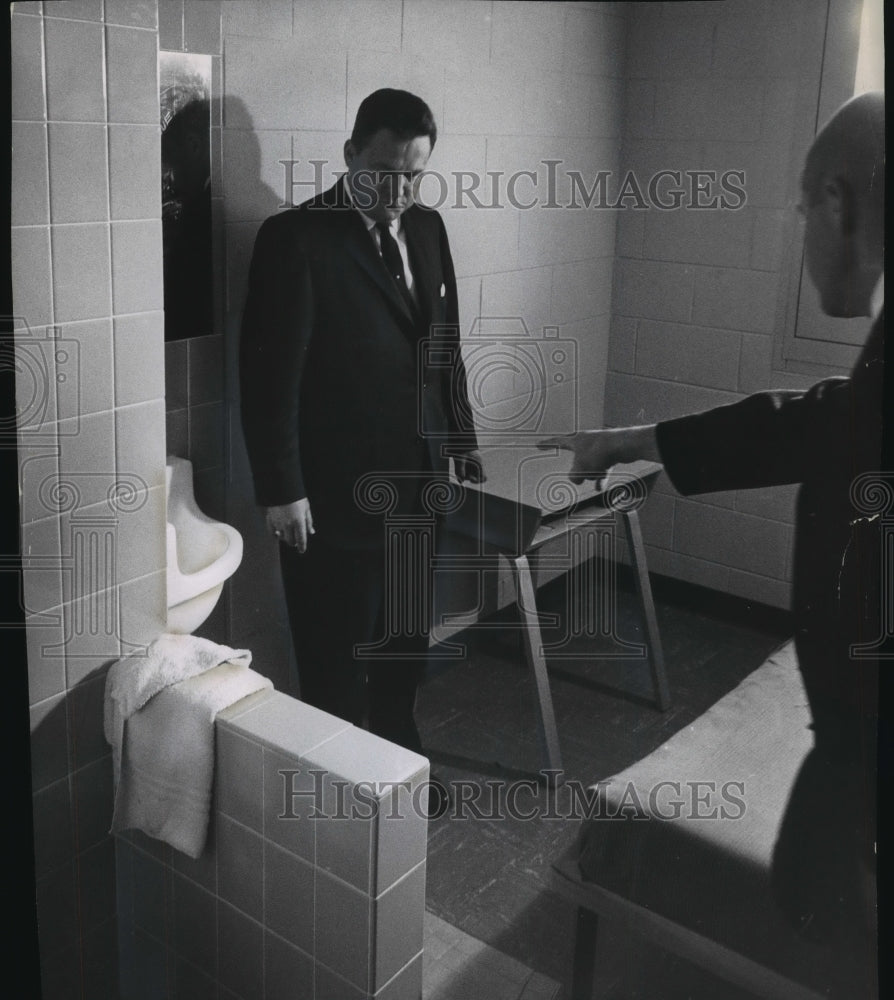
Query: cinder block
point(622, 344)
point(458, 33)
point(548, 236)
point(255, 173)
point(581, 289)
point(653, 290)
point(633, 399)
point(201, 27)
point(480, 99)
point(528, 34)
point(773, 239)
point(170, 25)
point(669, 47)
point(777, 503)
point(593, 43)
point(559, 104)
point(738, 541)
point(691, 354)
point(317, 163)
point(414, 71)
point(258, 18)
point(755, 363)
point(483, 242)
point(709, 109)
point(680, 566)
point(709, 236)
point(776, 593)
point(735, 299)
point(293, 87)
point(523, 294)
point(373, 25)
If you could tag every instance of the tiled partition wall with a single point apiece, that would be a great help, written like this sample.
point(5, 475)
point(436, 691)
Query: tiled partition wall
point(282, 906)
point(512, 86)
point(194, 366)
point(710, 86)
point(87, 287)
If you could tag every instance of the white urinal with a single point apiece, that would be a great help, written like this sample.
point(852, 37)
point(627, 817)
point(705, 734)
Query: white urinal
point(202, 553)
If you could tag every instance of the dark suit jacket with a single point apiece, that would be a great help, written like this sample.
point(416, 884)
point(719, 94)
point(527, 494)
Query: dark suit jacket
point(336, 379)
point(824, 438)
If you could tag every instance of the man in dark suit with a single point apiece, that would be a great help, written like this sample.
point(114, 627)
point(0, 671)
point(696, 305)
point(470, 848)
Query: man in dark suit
point(825, 438)
point(345, 419)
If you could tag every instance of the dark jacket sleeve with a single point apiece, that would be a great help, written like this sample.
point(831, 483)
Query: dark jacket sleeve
point(777, 437)
point(276, 330)
point(461, 425)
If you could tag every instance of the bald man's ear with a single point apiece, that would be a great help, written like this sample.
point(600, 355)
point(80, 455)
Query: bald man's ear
point(350, 152)
point(841, 205)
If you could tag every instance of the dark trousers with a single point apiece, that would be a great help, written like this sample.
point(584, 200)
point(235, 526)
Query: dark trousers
point(341, 599)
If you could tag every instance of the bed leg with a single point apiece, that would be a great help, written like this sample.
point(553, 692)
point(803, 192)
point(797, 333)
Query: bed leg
point(584, 955)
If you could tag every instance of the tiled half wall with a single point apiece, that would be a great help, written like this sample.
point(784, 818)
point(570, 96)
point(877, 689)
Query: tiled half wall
point(282, 905)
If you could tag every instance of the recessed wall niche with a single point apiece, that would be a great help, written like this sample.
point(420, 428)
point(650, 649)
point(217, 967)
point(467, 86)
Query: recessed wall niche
point(185, 108)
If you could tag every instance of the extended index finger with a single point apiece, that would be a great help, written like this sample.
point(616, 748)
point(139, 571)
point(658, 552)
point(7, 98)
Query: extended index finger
point(565, 441)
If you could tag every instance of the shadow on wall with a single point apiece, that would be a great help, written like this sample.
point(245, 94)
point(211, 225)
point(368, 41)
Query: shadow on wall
point(254, 601)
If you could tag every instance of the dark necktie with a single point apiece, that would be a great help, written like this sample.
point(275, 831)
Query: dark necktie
point(394, 263)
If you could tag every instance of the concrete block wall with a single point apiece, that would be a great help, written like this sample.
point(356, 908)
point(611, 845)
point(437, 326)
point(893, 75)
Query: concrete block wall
point(282, 906)
point(87, 289)
point(708, 87)
point(511, 85)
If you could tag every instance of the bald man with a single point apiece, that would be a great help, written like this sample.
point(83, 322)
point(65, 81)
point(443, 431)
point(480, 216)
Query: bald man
point(823, 438)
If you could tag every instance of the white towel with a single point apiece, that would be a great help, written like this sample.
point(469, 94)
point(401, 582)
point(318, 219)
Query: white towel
point(159, 719)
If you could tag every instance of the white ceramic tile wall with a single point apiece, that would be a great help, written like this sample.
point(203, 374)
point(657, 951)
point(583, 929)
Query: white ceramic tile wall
point(336, 902)
point(77, 67)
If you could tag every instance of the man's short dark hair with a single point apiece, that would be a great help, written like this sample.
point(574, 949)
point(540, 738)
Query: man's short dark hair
point(403, 113)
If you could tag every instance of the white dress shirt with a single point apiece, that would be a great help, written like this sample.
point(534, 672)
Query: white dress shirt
point(397, 231)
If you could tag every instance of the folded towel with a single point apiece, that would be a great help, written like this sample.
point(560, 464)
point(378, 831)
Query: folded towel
point(130, 683)
point(159, 717)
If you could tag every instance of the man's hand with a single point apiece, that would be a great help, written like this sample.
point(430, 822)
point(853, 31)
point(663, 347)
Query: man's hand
point(291, 523)
point(468, 467)
point(595, 452)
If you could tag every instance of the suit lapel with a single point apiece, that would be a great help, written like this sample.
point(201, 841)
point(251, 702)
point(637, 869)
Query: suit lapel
point(358, 243)
point(421, 263)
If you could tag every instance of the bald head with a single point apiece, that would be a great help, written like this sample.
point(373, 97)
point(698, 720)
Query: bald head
point(843, 185)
